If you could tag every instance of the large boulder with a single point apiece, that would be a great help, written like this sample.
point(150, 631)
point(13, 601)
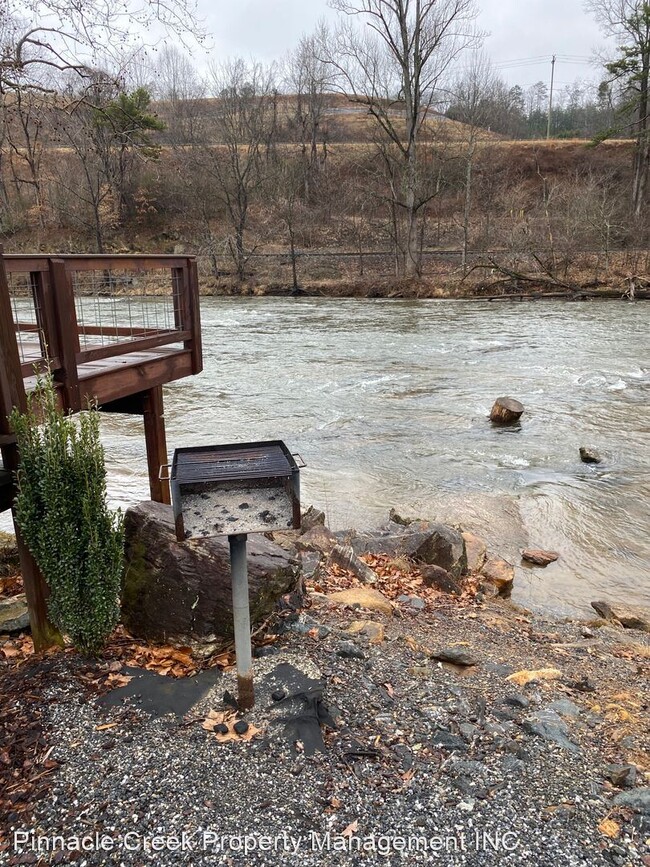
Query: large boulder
point(421, 541)
point(182, 591)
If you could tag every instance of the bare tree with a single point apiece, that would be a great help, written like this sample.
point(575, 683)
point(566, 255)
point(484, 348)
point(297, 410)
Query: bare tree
point(57, 36)
point(308, 77)
point(393, 68)
point(473, 102)
point(233, 149)
point(628, 21)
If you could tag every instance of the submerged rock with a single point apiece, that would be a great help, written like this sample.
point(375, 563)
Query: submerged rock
point(539, 557)
point(182, 591)
point(589, 455)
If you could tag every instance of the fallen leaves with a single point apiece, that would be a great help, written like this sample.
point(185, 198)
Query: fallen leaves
point(227, 718)
point(164, 659)
point(17, 649)
point(610, 828)
point(395, 577)
point(521, 678)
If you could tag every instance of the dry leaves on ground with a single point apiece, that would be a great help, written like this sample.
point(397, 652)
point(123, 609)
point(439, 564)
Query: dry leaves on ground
point(228, 718)
point(521, 678)
point(396, 577)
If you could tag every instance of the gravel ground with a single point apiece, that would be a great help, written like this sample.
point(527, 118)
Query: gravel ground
point(430, 762)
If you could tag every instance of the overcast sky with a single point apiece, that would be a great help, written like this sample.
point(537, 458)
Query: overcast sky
point(528, 29)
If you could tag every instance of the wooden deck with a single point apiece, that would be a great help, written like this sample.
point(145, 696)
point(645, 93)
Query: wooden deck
point(112, 329)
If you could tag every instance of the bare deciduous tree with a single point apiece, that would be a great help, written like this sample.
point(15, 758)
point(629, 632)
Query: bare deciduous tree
point(393, 67)
point(629, 22)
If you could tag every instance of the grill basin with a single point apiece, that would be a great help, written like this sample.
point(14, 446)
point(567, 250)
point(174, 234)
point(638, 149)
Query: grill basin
point(235, 488)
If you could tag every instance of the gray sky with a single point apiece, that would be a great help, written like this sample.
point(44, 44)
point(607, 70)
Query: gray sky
point(535, 29)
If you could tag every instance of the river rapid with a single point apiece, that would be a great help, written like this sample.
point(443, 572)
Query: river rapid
point(387, 401)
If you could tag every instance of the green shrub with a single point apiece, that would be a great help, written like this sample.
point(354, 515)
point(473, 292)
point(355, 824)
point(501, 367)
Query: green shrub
point(61, 510)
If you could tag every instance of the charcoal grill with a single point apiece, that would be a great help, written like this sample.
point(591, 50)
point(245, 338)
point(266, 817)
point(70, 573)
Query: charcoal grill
point(233, 490)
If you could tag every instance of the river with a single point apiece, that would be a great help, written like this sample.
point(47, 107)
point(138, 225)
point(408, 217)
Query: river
point(387, 401)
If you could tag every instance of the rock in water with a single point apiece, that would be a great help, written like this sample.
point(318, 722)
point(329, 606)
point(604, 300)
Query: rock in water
point(506, 410)
point(539, 557)
point(589, 456)
point(182, 591)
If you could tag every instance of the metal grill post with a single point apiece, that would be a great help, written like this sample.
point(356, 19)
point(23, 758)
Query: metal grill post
point(242, 620)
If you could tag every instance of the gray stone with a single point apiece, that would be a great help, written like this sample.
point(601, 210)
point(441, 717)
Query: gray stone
point(623, 776)
point(455, 655)
point(467, 730)
point(412, 601)
point(547, 724)
point(421, 541)
point(310, 562)
point(318, 538)
point(566, 708)
point(182, 591)
point(447, 741)
point(14, 615)
point(629, 616)
point(349, 650)
point(436, 576)
point(589, 455)
point(311, 518)
point(637, 800)
point(344, 557)
point(516, 700)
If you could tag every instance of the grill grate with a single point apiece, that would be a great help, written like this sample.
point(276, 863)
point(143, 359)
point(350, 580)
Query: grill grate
point(234, 462)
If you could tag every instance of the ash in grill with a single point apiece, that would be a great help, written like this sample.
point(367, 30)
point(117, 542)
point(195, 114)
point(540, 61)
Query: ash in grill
point(232, 489)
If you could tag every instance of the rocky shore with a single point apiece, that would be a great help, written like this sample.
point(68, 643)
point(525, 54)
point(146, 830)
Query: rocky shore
point(405, 708)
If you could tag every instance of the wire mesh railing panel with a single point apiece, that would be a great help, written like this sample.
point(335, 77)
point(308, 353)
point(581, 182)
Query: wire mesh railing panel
point(115, 306)
point(26, 316)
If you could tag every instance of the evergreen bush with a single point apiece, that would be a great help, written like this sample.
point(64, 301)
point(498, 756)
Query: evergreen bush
point(61, 510)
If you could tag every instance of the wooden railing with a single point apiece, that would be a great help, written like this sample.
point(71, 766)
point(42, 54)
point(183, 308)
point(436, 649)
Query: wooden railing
point(70, 311)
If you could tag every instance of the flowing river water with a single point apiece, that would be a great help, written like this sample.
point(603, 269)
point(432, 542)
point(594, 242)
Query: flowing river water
point(387, 401)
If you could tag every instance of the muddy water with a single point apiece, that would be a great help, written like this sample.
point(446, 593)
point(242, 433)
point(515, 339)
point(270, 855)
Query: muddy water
point(387, 402)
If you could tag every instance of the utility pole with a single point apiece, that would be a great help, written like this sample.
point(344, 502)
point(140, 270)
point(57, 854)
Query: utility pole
point(550, 100)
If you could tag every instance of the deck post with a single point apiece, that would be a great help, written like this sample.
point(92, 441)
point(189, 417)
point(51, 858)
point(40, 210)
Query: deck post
point(156, 441)
point(67, 334)
point(12, 394)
